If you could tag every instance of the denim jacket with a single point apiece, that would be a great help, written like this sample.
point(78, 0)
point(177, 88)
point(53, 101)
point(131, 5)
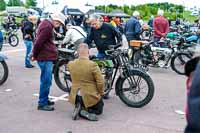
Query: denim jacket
point(133, 27)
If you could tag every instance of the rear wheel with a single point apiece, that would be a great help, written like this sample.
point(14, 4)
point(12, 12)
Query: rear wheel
point(62, 76)
point(136, 90)
point(178, 62)
point(3, 72)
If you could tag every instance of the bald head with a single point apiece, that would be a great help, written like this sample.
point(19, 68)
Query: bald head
point(83, 50)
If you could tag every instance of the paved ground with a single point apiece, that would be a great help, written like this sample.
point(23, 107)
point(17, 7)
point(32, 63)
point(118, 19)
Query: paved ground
point(19, 114)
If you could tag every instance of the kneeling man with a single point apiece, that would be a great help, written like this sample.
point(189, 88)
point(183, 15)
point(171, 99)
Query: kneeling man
point(87, 86)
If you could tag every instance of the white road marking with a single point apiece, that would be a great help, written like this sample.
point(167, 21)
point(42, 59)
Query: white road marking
point(179, 112)
point(8, 90)
point(12, 51)
point(55, 99)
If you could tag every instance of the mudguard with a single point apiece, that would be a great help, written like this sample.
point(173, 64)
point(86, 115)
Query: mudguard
point(3, 57)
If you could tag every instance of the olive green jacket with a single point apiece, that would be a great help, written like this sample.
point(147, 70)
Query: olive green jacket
point(86, 77)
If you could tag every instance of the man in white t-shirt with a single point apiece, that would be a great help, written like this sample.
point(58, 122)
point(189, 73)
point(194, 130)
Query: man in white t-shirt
point(75, 35)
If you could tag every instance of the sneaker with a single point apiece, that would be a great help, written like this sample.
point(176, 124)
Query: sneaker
point(89, 116)
point(77, 109)
point(46, 108)
point(29, 66)
point(106, 96)
point(51, 102)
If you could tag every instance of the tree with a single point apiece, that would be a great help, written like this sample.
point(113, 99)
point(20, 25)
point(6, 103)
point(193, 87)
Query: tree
point(14, 3)
point(30, 3)
point(146, 10)
point(2, 5)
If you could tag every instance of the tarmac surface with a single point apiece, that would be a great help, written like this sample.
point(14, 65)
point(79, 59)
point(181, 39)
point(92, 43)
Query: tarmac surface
point(19, 114)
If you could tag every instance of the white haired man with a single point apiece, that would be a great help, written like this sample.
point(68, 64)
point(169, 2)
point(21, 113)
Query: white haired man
point(133, 27)
point(161, 26)
point(102, 34)
point(45, 52)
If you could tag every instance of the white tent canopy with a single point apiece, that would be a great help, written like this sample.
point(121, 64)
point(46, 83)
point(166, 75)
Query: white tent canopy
point(53, 8)
point(59, 7)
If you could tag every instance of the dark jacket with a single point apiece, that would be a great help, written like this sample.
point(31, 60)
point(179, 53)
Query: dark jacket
point(44, 48)
point(133, 28)
point(193, 125)
point(28, 29)
point(150, 22)
point(103, 37)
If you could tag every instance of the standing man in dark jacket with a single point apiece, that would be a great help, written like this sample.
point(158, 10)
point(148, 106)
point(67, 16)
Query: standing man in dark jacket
point(28, 36)
point(102, 34)
point(133, 28)
point(45, 53)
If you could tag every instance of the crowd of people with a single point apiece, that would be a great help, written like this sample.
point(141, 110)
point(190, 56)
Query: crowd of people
point(87, 81)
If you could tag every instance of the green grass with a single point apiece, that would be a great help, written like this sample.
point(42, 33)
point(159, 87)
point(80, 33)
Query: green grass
point(187, 16)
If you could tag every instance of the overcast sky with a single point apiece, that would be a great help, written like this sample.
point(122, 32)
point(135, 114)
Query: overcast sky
point(79, 3)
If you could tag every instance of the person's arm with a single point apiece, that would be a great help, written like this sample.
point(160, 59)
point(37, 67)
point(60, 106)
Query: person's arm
point(166, 28)
point(99, 78)
point(67, 37)
point(90, 37)
point(138, 27)
point(117, 34)
point(42, 37)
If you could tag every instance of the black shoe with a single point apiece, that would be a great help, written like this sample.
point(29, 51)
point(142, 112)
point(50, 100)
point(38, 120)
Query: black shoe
point(30, 66)
point(106, 96)
point(46, 108)
point(89, 116)
point(51, 102)
point(77, 109)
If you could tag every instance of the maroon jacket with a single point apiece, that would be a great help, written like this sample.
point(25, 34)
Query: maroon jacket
point(161, 26)
point(44, 48)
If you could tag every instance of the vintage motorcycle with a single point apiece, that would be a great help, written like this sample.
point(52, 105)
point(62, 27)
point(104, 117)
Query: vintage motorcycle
point(147, 54)
point(10, 37)
point(133, 86)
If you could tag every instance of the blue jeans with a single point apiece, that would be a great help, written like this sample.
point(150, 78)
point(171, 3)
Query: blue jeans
point(1, 45)
point(100, 55)
point(46, 68)
point(28, 45)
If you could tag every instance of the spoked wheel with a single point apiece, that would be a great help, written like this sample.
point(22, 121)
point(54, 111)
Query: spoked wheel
point(136, 90)
point(13, 40)
point(178, 62)
point(3, 72)
point(146, 35)
point(62, 76)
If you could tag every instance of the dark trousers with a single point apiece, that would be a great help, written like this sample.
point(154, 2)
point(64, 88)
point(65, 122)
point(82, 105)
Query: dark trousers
point(96, 109)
